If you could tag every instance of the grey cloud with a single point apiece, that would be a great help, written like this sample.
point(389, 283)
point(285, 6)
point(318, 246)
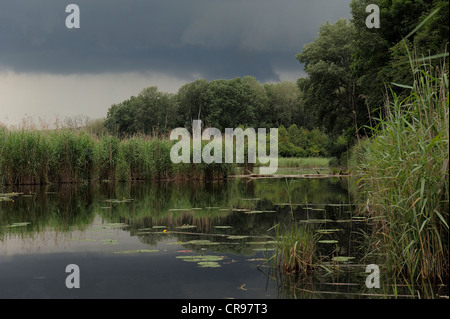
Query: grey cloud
point(213, 38)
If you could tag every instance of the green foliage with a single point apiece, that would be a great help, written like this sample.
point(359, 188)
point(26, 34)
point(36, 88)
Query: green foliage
point(219, 103)
point(402, 173)
point(284, 103)
point(295, 248)
point(378, 55)
point(330, 92)
point(151, 112)
point(295, 142)
point(69, 156)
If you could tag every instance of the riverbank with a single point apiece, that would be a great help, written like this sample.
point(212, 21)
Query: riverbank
point(401, 175)
point(32, 157)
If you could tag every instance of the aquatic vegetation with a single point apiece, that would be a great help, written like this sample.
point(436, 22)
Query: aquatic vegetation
point(401, 174)
point(70, 156)
point(109, 241)
point(136, 251)
point(237, 237)
point(187, 227)
point(295, 248)
point(328, 231)
point(268, 242)
point(203, 261)
point(201, 242)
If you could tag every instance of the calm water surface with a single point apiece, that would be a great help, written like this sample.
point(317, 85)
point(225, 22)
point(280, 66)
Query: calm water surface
point(174, 240)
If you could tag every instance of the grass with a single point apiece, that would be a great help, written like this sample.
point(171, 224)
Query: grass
point(295, 249)
point(402, 177)
point(30, 156)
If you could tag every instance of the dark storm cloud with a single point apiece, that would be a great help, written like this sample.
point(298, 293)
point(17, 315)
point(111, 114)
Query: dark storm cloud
point(183, 38)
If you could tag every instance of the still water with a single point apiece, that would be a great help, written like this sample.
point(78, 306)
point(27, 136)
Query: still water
point(175, 240)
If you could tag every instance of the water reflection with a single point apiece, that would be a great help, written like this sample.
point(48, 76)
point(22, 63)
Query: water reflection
point(160, 222)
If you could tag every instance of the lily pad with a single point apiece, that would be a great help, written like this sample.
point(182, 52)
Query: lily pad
point(187, 227)
point(109, 241)
point(262, 242)
point(137, 251)
point(223, 227)
point(201, 242)
point(174, 243)
point(201, 258)
point(236, 237)
point(328, 231)
point(263, 249)
point(208, 264)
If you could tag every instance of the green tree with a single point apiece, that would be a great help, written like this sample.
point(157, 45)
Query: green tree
point(120, 119)
point(330, 91)
point(156, 111)
point(191, 101)
point(263, 111)
point(380, 57)
point(229, 103)
point(284, 103)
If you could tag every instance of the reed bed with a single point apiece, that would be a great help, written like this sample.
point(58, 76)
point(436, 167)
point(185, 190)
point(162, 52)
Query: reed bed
point(73, 156)
point(295, 249)
point(402, 177)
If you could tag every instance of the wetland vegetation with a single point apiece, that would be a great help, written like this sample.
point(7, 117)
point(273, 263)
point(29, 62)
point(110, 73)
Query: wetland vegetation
point(374, 105)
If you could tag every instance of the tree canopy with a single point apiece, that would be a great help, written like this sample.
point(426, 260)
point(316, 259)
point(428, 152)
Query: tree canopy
point(349, 69)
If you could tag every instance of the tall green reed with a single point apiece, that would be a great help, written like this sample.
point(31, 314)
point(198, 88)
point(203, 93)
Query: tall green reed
point(296, 247)
point(402, 177)
point(73, 156)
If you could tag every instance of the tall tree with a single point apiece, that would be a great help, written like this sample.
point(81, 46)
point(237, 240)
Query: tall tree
point(191, 101)
point(330, 91)
point(380, 56)
point(156, 111)
point(284, 103)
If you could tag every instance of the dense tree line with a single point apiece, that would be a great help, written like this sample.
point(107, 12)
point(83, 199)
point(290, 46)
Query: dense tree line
point(351, 67)
point(219, 103)
point(349, 70)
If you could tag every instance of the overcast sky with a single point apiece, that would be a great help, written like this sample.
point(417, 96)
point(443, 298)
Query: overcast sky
point(123, 46)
